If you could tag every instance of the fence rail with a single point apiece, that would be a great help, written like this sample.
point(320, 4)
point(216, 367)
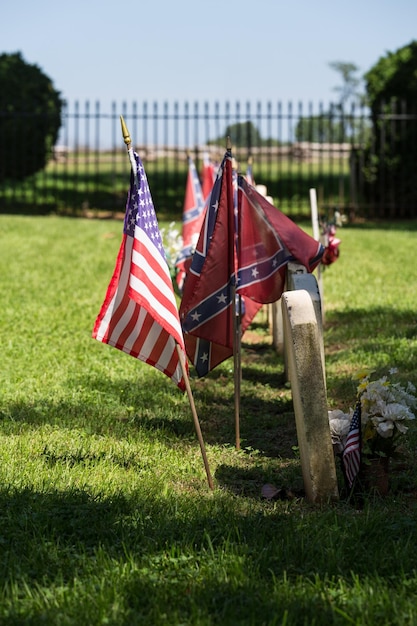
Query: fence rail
point(293, 148)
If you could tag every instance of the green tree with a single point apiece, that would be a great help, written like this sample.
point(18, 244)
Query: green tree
point(348, 90)
point(337, 124)
point(244, 134)
point(30, 117)
point(324, 128)
point(393, 77)
point(391, 86)
point(350, 95)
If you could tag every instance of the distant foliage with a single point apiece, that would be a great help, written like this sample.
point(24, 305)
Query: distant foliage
point(333, 126)
point(394, 76)
point(337, 124)
point(391, 87)
point(30, 108)
point(244, 135)
point(349, 90)
point(320, 128)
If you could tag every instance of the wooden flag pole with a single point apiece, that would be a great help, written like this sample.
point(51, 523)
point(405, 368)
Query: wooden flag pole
point(237, 361)
point(237, 357)
point(316, 235)
point(195, 417)
point(314, 214)
point(128, 142)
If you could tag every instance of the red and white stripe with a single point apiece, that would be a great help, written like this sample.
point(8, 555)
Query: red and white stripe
point(139, 315)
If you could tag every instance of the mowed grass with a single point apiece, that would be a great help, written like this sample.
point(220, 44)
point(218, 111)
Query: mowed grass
point(106, 516)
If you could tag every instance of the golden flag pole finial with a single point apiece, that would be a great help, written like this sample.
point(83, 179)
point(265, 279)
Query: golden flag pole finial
point(125, 133)
point(228, 143)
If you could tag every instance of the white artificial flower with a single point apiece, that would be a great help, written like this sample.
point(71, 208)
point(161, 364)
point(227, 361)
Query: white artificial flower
point(411, 389)
point(385, 429)
point(339, 423)
point(172, 243)
point(396, 411)
point(386, 407)
point(400, 426)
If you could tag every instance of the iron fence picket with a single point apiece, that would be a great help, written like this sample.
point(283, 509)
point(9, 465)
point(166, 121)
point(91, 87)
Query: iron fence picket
point(332, 152)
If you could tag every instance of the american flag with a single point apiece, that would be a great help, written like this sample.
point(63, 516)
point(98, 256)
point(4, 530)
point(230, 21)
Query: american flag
point(139, 315)
point(352, 451)
point(192, 219)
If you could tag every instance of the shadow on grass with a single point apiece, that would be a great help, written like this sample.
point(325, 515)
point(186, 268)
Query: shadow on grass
point(248, 482)
point(118, 408)
point(385, 322)
point(55, 537)
point(70, 194)
point(385, 333)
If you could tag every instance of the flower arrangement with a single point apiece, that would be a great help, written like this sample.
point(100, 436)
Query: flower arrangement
point(386, 409)
point(172, 241)
point(329, 240)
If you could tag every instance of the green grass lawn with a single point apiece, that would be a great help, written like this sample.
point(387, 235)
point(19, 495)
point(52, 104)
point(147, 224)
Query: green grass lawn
point(105, 512)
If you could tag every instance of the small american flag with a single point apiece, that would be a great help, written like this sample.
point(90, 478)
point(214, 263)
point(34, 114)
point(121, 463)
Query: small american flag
point(139, 315)
point(352, 451)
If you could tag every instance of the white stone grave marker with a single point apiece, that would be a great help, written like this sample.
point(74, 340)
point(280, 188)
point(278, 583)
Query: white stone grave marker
point(307, 377)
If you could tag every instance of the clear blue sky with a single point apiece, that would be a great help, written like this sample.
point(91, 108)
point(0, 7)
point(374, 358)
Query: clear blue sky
point(256, 50)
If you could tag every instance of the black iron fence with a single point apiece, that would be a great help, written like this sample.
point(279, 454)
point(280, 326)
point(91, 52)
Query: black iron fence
point(362, 163)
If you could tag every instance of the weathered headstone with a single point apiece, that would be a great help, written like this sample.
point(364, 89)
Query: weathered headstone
point(299, 278)
point(276, 327)
point(308, 387)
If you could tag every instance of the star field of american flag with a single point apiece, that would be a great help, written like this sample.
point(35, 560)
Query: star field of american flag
point(352, 451)
point(141, 211)
point(139, 314)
